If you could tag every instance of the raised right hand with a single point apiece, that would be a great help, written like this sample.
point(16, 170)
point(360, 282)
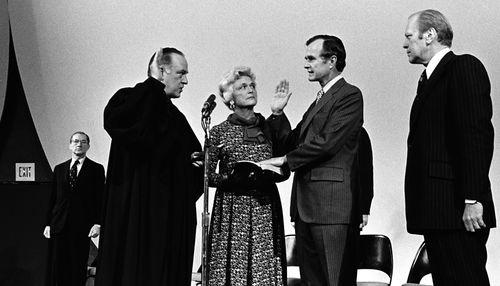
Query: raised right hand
point(281, 97)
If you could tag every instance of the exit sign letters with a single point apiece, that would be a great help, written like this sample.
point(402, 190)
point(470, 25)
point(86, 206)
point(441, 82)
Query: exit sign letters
point(25, 172)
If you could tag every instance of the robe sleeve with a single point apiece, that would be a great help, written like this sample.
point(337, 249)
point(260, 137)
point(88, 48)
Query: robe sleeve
point(100, 181)
point(130, 113)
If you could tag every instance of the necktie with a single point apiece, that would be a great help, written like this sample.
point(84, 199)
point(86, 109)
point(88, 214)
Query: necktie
point(319, 95)
point(421, 82)
point(73, 175)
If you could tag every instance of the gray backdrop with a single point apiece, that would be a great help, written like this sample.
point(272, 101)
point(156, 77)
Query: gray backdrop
point(73, 55)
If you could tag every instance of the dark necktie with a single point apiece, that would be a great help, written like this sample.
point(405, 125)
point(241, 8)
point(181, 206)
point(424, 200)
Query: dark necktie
point(421, 82)
point(73, 174)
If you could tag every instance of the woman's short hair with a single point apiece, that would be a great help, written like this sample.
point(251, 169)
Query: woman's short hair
point(228, 80)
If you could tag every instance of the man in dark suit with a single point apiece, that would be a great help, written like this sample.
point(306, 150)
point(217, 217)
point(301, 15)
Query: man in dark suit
point(321, 151)
point(74, 211)
point(450, 147)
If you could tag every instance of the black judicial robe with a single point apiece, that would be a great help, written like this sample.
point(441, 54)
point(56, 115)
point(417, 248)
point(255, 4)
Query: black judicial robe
point(148, 233)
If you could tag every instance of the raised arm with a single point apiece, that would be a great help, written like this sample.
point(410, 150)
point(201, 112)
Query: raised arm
point(281, 96)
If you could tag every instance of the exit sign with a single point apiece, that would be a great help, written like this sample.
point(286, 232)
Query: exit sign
point(25, 172)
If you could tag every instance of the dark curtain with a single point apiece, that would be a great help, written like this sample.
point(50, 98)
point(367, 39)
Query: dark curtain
point(23, 249)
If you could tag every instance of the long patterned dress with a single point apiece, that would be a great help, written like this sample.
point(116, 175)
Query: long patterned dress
point(246, 240)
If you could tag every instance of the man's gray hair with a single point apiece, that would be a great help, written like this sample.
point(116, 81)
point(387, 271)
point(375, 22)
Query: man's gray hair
point(434, 19)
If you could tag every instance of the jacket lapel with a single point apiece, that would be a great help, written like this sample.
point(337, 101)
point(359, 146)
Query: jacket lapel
point(329, 95)
point(65, 175)
point(84, 170)
point(429, 85)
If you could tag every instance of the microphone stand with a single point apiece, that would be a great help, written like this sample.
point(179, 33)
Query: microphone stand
point(205, 123)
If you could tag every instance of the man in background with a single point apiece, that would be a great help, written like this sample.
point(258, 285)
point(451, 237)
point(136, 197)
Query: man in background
point(152, 187)
point(74, 212)
point(450, 147)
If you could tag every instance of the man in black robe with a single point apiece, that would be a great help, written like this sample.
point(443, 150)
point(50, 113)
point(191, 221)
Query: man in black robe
point(152, 186)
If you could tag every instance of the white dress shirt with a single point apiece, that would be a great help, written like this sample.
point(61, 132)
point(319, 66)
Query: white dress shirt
point(79, 166)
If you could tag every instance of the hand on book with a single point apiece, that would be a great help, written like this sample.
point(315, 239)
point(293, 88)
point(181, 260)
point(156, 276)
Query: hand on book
point(276, 161)
point(276, 168)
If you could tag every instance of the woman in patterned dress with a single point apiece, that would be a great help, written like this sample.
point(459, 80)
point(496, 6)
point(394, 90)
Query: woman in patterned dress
point(246, 240)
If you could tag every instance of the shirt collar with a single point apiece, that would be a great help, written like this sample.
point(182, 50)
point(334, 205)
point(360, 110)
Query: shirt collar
point(331, 83)
point(80, 159)
point(435, 61)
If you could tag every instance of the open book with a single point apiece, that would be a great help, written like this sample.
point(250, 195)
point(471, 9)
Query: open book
point(247, 167)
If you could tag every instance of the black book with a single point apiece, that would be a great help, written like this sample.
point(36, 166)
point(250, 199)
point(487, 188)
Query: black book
point(247, 167)
point(252, 172)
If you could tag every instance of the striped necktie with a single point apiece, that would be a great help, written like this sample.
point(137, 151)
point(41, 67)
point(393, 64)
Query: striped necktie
point(319, 95)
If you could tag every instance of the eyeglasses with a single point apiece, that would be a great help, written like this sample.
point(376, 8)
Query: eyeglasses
point(76, 141)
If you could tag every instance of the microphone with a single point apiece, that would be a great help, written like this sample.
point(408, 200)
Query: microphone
point(208, 106)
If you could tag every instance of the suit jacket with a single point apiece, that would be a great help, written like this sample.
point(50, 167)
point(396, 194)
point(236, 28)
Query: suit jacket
point(81, 207)
point(322, 152)
point(450, 146)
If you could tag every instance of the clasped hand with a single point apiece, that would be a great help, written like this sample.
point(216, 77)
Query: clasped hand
point(197, 159)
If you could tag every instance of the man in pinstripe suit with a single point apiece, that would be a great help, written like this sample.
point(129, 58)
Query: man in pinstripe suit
point(450, 147)
point(321, 151)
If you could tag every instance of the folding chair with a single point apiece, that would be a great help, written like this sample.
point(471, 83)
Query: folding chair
point(375, 252)
point(419, 268)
